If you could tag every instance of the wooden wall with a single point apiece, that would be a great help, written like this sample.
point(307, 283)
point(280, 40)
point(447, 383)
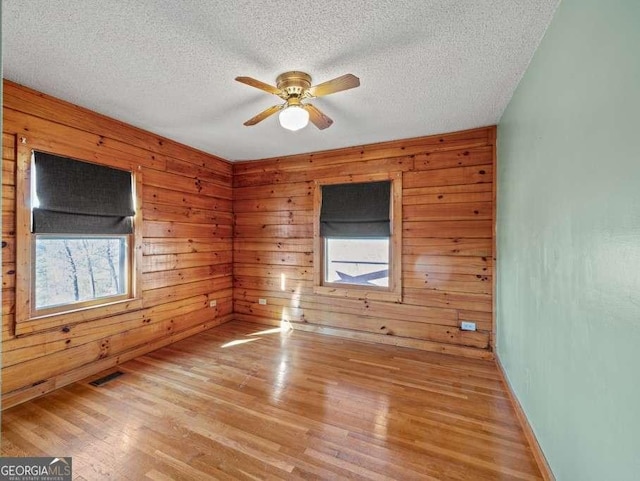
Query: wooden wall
point(448, 243)
point(187, 246)
point(191, 201)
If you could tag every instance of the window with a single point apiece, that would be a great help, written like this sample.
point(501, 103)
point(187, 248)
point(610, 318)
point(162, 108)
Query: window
point(74, 269)
point(358, 237)
point(82, 221)
point(359, 261)
point(77, 228)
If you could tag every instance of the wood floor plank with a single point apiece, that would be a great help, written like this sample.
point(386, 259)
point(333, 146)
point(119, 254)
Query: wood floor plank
point(246, 401)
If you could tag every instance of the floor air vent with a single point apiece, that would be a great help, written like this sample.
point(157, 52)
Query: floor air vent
point(106, 379)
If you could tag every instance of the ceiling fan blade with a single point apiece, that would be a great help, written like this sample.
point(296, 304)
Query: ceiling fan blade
point(263, 115)
point(339, 84)
point(260, 85)
point(319, 119)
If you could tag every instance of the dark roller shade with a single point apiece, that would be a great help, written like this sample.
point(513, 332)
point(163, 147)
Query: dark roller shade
point(355, 210)
point(52, 222)
point(81, 198)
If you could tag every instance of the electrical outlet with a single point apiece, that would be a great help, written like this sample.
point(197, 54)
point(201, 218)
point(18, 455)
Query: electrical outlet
point(213, 303)
point(262, 302)
point(468, 326)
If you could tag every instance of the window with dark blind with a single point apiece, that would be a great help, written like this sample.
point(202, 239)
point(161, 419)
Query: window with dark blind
point(74, 197)
point(356, 210)
point(357, 236)
point(81, 230)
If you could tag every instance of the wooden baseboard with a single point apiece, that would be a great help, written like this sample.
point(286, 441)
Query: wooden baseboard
point(536, 450)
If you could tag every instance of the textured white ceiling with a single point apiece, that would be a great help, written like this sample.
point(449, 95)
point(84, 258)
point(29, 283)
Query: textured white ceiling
point(425, 66)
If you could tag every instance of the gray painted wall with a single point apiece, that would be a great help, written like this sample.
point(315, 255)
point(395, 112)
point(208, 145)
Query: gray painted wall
point(568, 291)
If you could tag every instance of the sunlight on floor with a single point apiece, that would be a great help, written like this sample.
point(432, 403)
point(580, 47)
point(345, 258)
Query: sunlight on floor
point(285, 325)
point(239, 341)
point(285, 328)
point(265, 332)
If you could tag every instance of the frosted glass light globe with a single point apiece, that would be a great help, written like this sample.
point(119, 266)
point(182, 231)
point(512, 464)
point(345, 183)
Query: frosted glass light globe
point(294, 118)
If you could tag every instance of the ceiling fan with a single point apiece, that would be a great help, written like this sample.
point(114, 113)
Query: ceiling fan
point(294, 87)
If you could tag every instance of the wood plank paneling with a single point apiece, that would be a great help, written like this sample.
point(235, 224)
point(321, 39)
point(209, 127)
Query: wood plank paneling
point(285, 176)
point(447, 211)
point(469, 229)
point(240, 233)
point(174, 198)
point(172, 213)
point(453, 158)
point(276, 204)
point(36, 104)
point(448, 246)
point(447, 243)
point(177, 245)
point(187, 246)
point(462, 140)
point(263, 192)
point(480, 174)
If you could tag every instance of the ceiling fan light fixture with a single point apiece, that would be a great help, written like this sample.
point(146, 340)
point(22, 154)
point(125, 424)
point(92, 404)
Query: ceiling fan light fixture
point(293, 87)
point(294, 118)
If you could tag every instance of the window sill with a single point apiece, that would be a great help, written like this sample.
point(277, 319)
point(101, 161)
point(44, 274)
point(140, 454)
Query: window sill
point(75, 316)
point(349, 292)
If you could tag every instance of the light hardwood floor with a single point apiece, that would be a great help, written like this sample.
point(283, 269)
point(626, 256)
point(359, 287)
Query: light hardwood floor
point(243, 401)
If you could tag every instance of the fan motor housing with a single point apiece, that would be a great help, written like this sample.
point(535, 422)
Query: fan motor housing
point(294, 82)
